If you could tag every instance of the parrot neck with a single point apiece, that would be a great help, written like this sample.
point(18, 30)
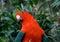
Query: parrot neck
point(27, 19)
point(26, 22)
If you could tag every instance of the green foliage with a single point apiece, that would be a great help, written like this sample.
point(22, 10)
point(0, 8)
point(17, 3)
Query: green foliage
point(45, 12)
point(7, 24)
point(56, 3)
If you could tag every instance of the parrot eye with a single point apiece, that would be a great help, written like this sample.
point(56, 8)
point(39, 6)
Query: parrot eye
point(22, 12)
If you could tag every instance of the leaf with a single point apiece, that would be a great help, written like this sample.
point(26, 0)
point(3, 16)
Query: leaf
point(14, 3)
point(22, 6)
point(55, 4)
point(14, 12)
point(35, 2)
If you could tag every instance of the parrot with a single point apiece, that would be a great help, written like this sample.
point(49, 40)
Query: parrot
point(31, 31)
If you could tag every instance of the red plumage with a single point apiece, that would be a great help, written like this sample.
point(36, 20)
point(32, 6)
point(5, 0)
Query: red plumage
point(33, 31)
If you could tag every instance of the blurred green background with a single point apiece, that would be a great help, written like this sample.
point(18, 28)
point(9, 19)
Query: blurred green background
point(46, 12)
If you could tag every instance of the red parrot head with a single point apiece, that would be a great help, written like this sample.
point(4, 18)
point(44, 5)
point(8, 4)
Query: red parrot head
point(23, 16)
point(19, 15)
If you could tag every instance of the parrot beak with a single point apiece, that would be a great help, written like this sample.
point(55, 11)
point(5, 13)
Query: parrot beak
point(19, 18)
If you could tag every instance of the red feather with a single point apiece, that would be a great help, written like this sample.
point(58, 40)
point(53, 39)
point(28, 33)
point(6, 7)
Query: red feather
point(33, 31)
